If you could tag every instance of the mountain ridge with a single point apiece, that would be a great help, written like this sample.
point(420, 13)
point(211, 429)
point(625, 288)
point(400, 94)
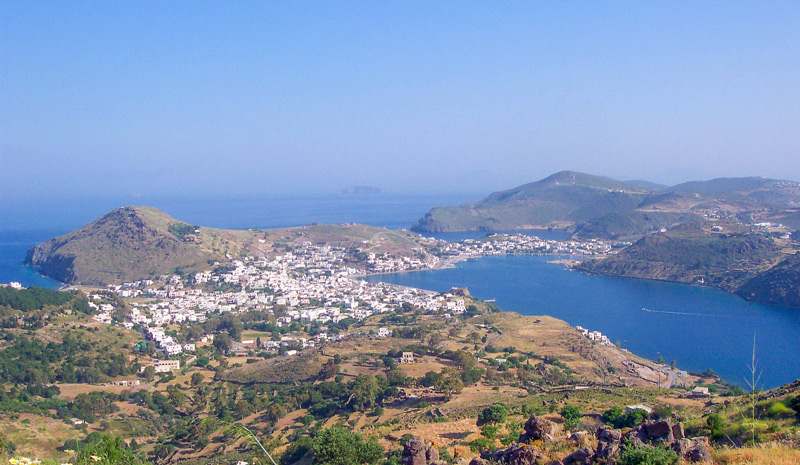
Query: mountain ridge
point(585, 202)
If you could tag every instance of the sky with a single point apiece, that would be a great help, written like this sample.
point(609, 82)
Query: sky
point(198, 98)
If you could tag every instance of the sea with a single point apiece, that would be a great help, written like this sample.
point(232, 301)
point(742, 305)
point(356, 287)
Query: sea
point(698, 327)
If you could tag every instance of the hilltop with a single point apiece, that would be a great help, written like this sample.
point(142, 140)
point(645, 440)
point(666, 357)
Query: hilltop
point(560, 200)
point(134, 243)
point(127, 244)
point(600, 207)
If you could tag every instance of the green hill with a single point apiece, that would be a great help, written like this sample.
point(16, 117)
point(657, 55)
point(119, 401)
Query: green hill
point(779, 285)
point(693, 253)
point(128, 244)
point(560, 200)
point(604, 208)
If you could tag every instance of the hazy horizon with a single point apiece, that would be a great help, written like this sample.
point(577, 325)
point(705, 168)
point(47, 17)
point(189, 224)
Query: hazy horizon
point(168, 99)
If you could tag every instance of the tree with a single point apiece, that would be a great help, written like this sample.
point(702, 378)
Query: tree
point(197, 378)
point(449, 383)
point(149, 373)
point(364, 392)
point(435, 339)
point(572, 416)
point(464, 360)
point(222, 342)
point(338, 446)
point(495, 414)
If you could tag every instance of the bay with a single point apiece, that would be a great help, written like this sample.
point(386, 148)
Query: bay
point(698, 327)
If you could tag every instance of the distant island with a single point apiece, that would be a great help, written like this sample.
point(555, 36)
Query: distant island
point(360, 190)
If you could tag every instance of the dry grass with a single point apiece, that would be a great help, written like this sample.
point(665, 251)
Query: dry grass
point(763, 454)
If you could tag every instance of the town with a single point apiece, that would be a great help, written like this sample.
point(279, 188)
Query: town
point(308, 285)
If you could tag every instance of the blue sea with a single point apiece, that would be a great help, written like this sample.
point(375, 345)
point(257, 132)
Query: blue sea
point(698, 327)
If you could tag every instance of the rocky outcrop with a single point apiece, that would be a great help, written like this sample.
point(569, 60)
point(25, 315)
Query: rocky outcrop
point(538, 429)
point(516, 454)
point(418, 451)
point(609, 442)
point(583, 456)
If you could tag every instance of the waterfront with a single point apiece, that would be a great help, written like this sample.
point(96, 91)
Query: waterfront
point(698, 327)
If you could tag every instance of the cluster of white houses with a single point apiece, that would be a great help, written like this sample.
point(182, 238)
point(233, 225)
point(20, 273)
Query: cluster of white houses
point(310, 283)
point(595, 336)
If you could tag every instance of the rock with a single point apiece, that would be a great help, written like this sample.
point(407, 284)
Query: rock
point(677, 431)
point(609, 442)
point(414, 452)
point(638, 435)
point(699, 454)
point(477, 461)
point(538, 429)
point(516, 454)
point(577, 436)
point(681, 446)
point(699, 450)
point(660, 432)
point(431, 453)
point(583, 456)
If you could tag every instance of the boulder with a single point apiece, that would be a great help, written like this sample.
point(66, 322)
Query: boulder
point(609, 442)
point(538, 429)
point(477, 461)
point(660, 432)
point(638, 435)
point(699, 454)
point(414, 452)
point(699, 450)
point(677, 431)
point(431, 453)
point(516, 454)
point(583, 456)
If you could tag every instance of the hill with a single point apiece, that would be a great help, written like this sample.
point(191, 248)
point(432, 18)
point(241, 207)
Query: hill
point(779, 285)
point(603, 208)
point(750, 263)
point(127, 244)
point(134, 243)
point(560, 200)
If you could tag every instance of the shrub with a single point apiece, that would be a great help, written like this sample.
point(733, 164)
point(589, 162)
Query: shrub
point(338, 446)
point(572, 416)
point(646, 455)
point(489, 431)
point(779, 410)
point(611, 415)
point(481, 444)
point(296, 450)
point(495, 413)
point(716, 423)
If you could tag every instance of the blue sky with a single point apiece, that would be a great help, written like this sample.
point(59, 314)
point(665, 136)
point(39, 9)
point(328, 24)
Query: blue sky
point(161, 98)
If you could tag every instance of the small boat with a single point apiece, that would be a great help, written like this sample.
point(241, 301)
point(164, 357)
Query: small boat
point(644, 309)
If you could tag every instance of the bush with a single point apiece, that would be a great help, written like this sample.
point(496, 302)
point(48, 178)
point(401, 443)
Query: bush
point(631, 418)
point(338, 446)
point(495, 413)
point(296, 450)
point(779, 410)
point(481, 444)
point(611, 415)
point(645, 455)
point(716, 423)
point(572, 417)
